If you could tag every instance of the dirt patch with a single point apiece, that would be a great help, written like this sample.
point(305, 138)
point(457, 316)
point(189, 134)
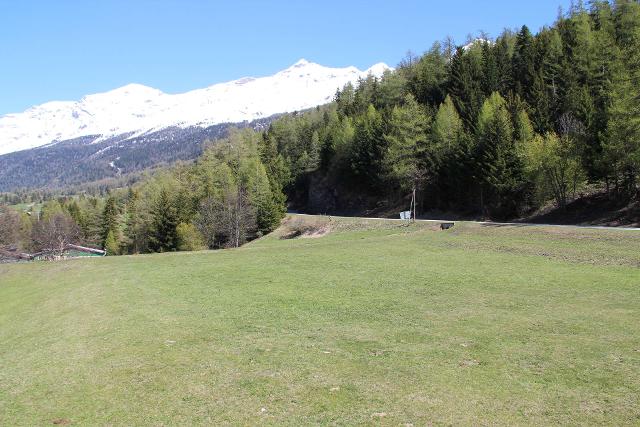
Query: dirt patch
point(61, 422)
point(304, 227)
point(316, 233)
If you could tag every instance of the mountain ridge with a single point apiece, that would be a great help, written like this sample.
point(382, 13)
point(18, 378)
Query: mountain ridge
point(138, 109)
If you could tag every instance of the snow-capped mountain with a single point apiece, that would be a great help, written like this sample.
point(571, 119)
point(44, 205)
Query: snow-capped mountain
point(136, 110)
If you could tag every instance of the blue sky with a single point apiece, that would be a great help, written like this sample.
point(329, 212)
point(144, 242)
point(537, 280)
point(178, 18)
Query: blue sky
point(62, 50)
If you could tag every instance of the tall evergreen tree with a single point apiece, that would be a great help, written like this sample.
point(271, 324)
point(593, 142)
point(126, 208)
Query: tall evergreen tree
point(499, 167)
point(164, 236)
point(524, 64)
point(369, 147)
point(465, 84)
point(451, 149)
point(110, 219)
point(429, 79)
point(622, 149)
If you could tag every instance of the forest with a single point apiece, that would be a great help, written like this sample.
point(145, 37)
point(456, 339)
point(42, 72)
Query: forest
point(222, 200)
point(493, 129)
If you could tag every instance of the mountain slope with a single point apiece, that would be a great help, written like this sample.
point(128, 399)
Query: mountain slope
point(136, 109)
point(82, 160)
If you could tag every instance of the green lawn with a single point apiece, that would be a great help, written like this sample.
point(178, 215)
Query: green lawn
point(370, 324)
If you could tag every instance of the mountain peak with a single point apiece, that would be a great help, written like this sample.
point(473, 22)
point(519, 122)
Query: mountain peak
point(301, 63)
point(134, 109)
point(378, 69)
point(134, 88)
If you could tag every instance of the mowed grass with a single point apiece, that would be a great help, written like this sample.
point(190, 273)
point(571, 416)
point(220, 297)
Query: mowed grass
point(374, 323)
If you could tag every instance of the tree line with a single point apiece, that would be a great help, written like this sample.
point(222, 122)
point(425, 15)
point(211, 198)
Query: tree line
point(222, 200)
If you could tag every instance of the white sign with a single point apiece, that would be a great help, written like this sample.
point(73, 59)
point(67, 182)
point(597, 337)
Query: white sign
point(405, 215)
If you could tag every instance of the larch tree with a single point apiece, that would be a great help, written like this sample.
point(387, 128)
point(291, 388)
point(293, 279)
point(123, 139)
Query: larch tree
point(407, 144)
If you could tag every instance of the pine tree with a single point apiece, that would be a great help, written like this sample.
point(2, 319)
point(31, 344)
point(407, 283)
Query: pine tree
point(491, 74)
point(523, 64)
point(465, 85)
point(450, 149)
point(499, 167)
point(447, 129)
point(314, 152)
point(164, 236)
point(133, 236)
point(369, 147)
point(607, 63)
point(110, 218)
point(429, 79)
point(111, 245)
point(622, 149)
point(547, 92)
point(523, 131)
point(267, 201)
point(345, 100)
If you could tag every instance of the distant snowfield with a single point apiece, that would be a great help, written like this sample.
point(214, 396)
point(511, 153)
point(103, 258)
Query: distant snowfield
point(140, 109)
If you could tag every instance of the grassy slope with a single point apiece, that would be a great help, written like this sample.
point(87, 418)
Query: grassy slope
point(477, 325)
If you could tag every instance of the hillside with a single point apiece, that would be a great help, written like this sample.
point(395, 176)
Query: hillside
point(369, 322)
point(82, 161)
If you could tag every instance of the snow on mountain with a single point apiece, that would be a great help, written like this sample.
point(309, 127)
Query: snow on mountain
point(476, 42)
point(140, 109)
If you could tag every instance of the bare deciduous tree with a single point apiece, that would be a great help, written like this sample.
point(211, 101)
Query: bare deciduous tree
point(206, 221)
point(238, 217)
point(53, 234)
point(9, 228)
point(227, 221)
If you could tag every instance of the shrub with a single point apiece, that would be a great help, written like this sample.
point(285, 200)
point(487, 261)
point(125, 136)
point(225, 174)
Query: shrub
point(189, 238)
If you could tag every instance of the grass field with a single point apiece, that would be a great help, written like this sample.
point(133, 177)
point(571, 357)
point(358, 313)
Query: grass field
point(372, 323)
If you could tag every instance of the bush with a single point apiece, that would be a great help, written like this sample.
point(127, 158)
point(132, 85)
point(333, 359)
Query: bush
point(189, 238)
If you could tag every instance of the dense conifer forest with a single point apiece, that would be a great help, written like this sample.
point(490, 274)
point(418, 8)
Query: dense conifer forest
point(493, 128)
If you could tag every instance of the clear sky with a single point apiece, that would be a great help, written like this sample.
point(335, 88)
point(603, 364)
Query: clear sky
point(62, 49)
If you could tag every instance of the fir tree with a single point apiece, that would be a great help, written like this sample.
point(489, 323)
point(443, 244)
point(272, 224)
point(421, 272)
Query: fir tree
point(111, 245)
point(524, 66)
point(110, 219)
point(465, 85)
point(164, 236)
point(499, 167)
point(368, 148)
